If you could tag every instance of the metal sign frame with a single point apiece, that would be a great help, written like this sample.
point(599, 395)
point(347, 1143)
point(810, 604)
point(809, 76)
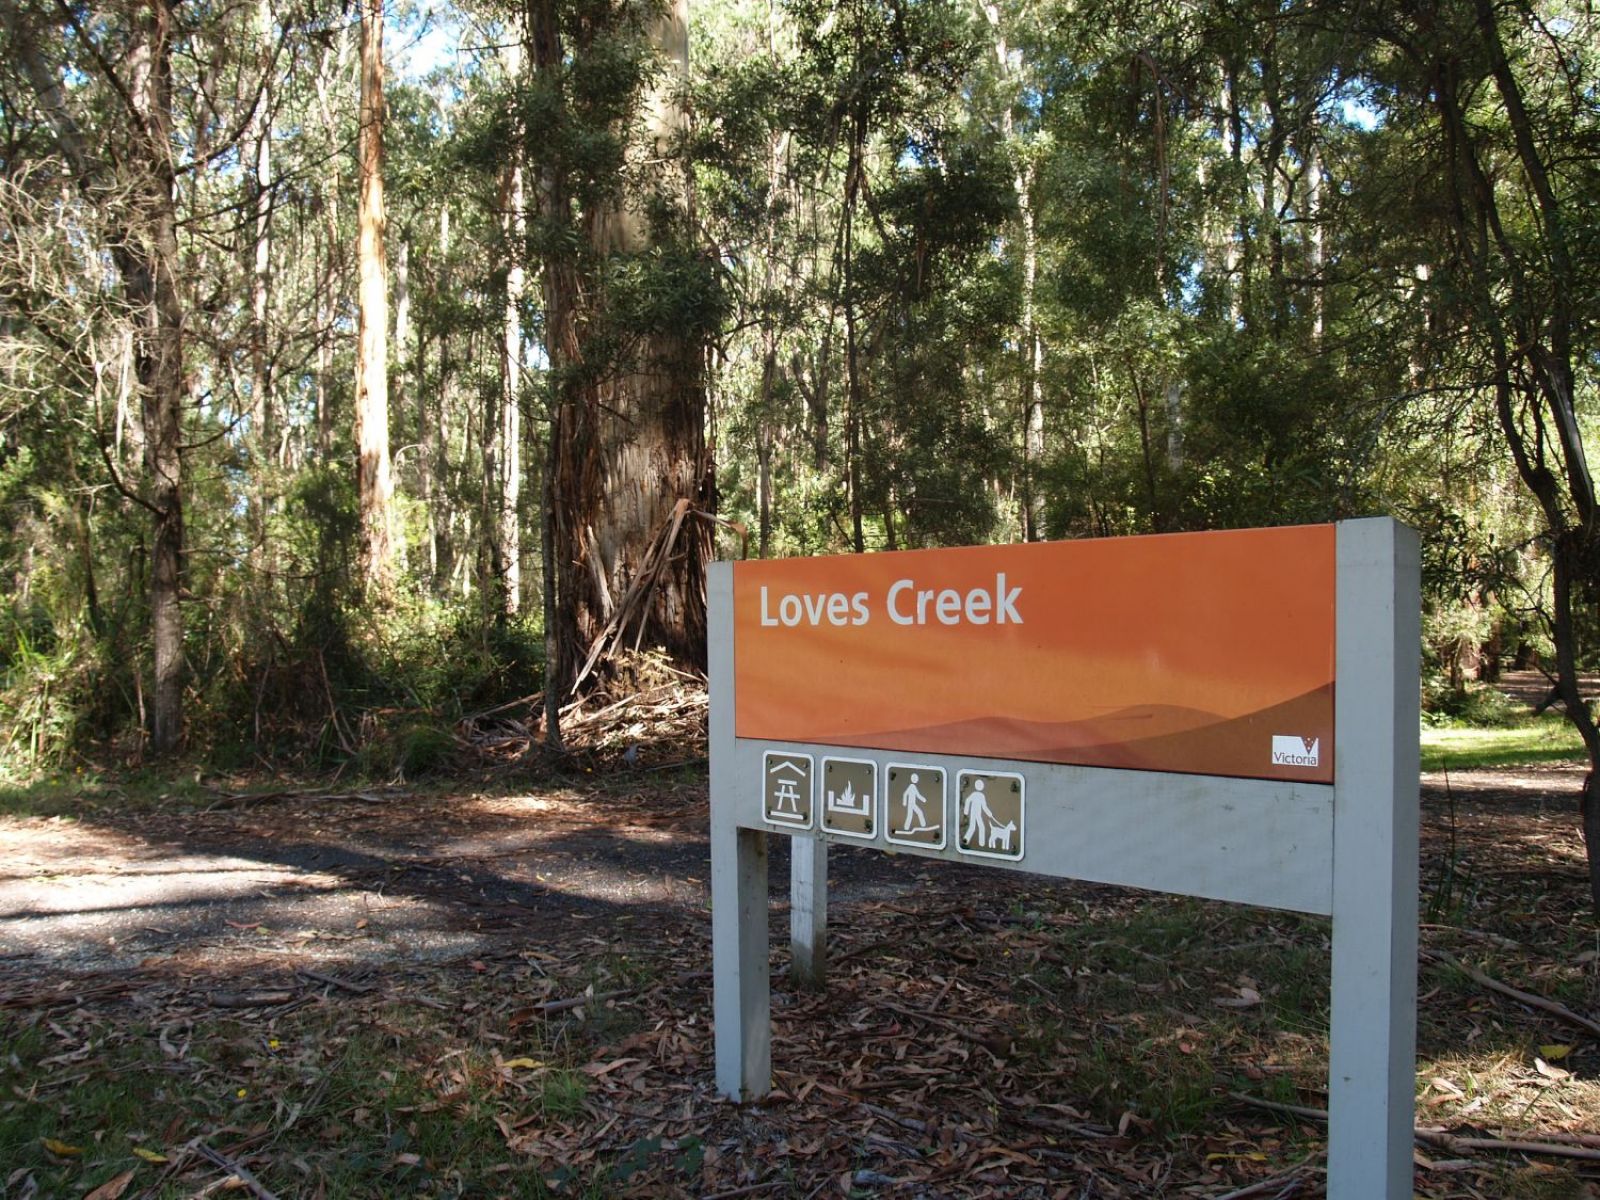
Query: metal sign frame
point(1346, 850)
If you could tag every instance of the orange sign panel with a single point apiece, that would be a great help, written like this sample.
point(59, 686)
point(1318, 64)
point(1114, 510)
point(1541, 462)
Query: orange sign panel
point(1205, 653)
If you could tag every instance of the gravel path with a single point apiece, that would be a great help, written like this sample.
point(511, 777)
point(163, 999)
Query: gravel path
point(381, 877)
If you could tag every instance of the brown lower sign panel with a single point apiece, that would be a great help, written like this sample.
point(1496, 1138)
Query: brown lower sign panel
point(990, 814)
point(849, 797)
point(787, 791)
point(914, 805)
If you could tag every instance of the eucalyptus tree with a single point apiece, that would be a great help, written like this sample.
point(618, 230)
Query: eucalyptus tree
point(104, 93)
point(1496, 106)
point(374, 482)
point(630, 300)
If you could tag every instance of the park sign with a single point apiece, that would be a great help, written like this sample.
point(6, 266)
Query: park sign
point(1228, 715)
point(1202, 654)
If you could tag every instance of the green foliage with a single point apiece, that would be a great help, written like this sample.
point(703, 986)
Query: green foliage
point(43, 692)
point(1233, 232)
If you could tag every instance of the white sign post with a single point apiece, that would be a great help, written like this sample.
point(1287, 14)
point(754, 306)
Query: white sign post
point(1347, 849)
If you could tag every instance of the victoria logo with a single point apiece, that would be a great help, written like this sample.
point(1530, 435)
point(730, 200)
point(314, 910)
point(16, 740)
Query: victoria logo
point(1290, 751)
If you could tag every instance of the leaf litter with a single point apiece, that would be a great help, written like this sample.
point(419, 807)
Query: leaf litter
point(980, 1034)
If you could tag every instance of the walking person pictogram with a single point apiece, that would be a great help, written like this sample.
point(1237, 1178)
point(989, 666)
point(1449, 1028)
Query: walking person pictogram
point(914, 810)
point(916, 820)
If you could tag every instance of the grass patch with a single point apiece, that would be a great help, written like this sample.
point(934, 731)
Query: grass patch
point(382, 1101)
point(1547, 738)
point(1160, 1008)
point(81, 792)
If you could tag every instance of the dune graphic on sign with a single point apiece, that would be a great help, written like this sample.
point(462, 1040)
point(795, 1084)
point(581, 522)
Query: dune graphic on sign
point(1155, 738)
point(1187, 653)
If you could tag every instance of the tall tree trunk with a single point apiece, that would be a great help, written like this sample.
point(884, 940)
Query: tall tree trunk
point(148, 263)
point(404, 365)
point(630, 465)
point(260, 295)
point(434, 417)
point(1032, 351)
point(329, 71)
point(374, 484)
point(1314, 238)
point(852, 366)
point(1241, 246)
point(1030, 347)
point(508, 539)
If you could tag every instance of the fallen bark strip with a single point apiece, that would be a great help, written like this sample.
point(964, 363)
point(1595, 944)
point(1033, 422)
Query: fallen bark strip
point(65, 998)
point(747, 1190)
point(1546, 1144)
point(1521, 997)
point(230, 801)
point(359, 989)
point(555, 1006)
point(238, 1171)
point(262, 999)
point(1289, 1185)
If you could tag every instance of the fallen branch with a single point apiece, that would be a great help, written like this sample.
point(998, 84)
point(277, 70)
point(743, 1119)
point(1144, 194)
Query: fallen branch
point(237, 1171)
point(555, 1006)
point(532, 701)
point(1449, 1141)
point(747, 1190)
point(1290, 1185)
point(359, 989)
point(44, 998)
point(1521, 997)
point(250, 999)
point(1292, 1110)
point(1442, 1140)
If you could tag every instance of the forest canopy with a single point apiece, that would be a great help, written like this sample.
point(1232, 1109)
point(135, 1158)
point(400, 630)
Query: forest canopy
point(363, 361)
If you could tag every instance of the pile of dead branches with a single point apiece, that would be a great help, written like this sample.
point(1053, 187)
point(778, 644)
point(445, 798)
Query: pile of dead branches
point(650, 714)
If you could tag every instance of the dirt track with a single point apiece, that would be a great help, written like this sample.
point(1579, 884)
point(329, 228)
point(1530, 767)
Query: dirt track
point(393, 877)
point(380, 877)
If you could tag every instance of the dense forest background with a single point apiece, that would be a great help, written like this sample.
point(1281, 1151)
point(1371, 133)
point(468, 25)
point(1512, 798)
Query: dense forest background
point(365, 367)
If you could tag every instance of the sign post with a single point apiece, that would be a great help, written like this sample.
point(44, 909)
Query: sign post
point(1226, 715)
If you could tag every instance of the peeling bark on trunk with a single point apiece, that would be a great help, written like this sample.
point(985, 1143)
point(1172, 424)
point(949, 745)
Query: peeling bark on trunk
point(628, 460)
